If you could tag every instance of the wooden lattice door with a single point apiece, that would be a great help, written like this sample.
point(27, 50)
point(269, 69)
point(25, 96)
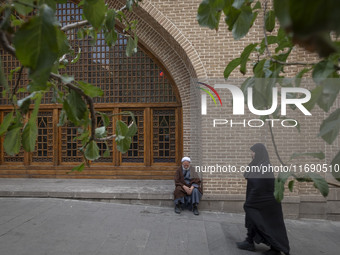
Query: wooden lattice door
point(139, 84)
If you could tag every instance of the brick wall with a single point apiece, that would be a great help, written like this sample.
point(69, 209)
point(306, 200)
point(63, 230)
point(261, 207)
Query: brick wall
point(170, 31)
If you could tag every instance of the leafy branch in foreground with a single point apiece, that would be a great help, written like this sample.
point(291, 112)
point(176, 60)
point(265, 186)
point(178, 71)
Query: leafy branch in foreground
point(32, 34)
point(313, 25)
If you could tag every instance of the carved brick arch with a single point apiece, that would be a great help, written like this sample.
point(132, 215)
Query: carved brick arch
point(174, 51)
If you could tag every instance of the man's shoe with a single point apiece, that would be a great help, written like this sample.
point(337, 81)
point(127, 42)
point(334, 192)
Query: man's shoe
point(245, 245)
point(177, 209)
point(195, 210)
point(272, 252)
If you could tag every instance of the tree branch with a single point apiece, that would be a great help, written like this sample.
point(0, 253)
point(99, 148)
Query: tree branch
point(88, 99)
point(75, 25)
point(5, 44)
point(81, 23)
point(109, 137)
point(14, 91)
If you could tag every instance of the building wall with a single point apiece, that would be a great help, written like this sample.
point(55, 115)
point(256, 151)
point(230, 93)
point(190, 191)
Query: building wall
point(202, 53)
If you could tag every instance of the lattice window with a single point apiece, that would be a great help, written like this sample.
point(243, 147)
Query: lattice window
point(136, 151)
point(9, 63)
point(139, 79)
point(69, 145)
point(19, 158)
point(44, 151)
point(164, 135)
point(108, 146)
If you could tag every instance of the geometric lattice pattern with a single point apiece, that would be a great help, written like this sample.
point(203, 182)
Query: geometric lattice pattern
point(136, 151)
point(125, 81)
point(69, 145)
point(44, 151)
point(135, 79)
point(164, 136)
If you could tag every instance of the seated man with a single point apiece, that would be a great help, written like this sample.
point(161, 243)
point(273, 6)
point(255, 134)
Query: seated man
point(188, 191)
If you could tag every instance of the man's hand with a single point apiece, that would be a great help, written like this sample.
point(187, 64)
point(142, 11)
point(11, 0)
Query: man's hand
point(188, 190)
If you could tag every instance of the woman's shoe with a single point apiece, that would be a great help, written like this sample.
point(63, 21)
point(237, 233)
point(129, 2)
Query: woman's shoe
point(245, 245)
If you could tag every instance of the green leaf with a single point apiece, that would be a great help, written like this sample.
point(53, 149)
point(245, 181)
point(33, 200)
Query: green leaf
point(5, 123)
point(231, 66)
point(37, 102)
point(279, 190)
point(92, 151)
point(79, 168)
point(77, 105)
point(319, 155)
point(299, 76)
point(315, 95)
point(24, 7)
point(110, 20)
point(131, 46)
point(231, 17)
point(63, 43)
point(257, 6)
point(336, 167)
point(100, 132)
point(24, 103)
point(245, 56)
point(281, 8)
point(121, 128)
point(65, 79)
point(111, 37)
point(132, 130)
point(50, 3)
point(258, 69)
point(29, 135)
point(320, 183)
point(68, 111)
point(270, 21)
point(90, 90)
point(209, 13)
point(95, 11)
point(330, 127)
point(291, 185)
point(323, 70)
point(243, 23)
point(12, 141)
point(105, 119)
point(36, 44)
point(123, 141)
point(106, 154)
point(330, 91)
point(238, 3)
point(62, 118)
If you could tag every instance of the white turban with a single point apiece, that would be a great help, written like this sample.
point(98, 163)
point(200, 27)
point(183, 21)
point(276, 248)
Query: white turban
point(186, 159)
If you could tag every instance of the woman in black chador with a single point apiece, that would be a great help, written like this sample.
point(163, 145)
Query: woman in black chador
point(264, 218)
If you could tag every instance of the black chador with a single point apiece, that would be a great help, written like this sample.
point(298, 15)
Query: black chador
point(264, 217)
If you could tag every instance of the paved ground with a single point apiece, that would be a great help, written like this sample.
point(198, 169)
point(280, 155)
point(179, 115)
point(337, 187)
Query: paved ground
point(34, 226)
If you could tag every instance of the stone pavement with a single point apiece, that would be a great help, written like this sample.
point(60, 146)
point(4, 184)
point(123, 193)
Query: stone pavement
point(36, 226)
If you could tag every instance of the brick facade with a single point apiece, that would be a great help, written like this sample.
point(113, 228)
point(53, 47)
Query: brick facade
point(170, 31)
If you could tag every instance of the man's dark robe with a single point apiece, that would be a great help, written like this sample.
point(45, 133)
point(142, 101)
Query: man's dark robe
point(264, 217)
point(179, 182)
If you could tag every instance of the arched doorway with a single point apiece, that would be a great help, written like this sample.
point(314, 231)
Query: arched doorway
point(139, 84)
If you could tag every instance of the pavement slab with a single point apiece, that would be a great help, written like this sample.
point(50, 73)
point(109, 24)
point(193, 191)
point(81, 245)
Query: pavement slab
point(53, 226)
